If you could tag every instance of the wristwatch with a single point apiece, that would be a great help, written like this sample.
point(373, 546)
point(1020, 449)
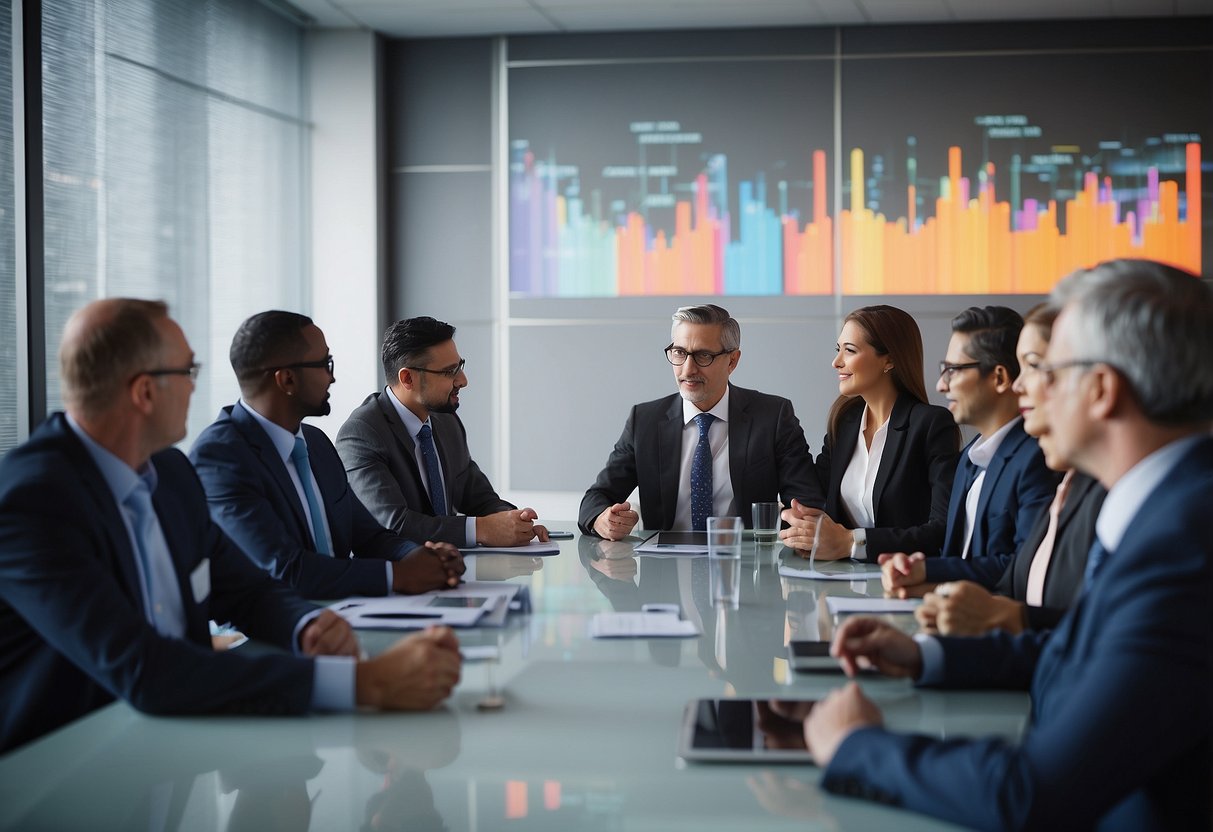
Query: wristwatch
point(859, 544)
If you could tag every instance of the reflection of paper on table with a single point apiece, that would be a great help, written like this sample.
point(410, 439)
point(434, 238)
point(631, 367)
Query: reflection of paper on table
point(839, 605)
point(464, 606)
point(641, 625)
point(534, 548)
point(855, 572)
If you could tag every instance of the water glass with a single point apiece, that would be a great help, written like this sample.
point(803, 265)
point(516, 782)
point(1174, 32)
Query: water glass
point(724, 559)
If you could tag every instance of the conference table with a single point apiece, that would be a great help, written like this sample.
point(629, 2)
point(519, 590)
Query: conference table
point(584, 739)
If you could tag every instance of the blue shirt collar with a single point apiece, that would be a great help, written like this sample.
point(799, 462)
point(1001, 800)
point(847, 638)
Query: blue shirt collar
point(120, 477)
point(411, 423)
point(281, 438)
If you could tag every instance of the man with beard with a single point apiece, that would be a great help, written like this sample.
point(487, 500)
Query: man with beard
point(406, 452)
point(277, 488)
point(711, 449)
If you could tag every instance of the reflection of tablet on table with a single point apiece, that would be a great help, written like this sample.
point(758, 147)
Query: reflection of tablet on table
point(461, 601)
point(740, 731)
point(674, 543)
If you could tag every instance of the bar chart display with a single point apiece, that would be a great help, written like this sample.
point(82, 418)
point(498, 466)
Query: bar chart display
point(958, 175)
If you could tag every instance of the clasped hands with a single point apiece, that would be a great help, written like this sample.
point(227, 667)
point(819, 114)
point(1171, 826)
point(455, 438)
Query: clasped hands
point(515, 527)
point(806, 524)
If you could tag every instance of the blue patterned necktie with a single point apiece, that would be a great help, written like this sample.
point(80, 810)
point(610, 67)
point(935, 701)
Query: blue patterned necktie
point(433, 471)
point(1095, 559)
point(162, 593)
point(701, 475)
point(304, 469)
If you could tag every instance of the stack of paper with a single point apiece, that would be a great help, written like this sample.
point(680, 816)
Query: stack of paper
point(534, 549)
point(483, 604)
point(842, 606)
point(641, 625)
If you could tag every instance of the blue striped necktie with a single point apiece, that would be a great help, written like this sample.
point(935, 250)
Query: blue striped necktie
point(701, 475)
point(304, 469)
point(162, 592)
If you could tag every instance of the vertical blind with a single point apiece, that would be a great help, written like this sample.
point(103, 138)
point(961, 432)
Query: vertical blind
point(174, 156)
point(8, 239)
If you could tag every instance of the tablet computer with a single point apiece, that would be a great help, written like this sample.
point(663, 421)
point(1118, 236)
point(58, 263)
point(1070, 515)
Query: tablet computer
point(742, 731)
point(812, 657)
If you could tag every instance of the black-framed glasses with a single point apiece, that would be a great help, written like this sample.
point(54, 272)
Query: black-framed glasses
point(946, 370)
point(1048, 372)
point(450, 372)
point(325, 363)
point(703, 358)
point(192, 371)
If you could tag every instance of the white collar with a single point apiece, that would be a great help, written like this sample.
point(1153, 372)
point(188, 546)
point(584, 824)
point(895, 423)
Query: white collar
point(720, 411)
point(1125, 498)
point(983, 450)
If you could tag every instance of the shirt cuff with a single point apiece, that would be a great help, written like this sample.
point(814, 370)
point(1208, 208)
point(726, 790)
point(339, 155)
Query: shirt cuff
point(333, 683)
point(470, 532)
point(932, 660)
point(299, 626)
point(859, 550)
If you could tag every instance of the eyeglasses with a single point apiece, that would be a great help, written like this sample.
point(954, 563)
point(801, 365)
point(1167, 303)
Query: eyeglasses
point(1049, 371)
point(325, 363)
point(192, 371)
point(946, 370)
point(678, 356)
point(451, 372)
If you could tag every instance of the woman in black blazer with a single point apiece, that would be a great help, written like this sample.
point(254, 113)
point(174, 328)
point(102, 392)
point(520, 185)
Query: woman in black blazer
point(888, 459)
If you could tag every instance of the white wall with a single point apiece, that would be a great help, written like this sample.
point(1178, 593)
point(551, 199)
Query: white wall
point(346, 235)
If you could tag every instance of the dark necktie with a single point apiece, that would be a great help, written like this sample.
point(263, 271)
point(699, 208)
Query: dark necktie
point(965, 477)
point(701, 475)
point(1095, 559)
point(433, 471)
point(304, 469)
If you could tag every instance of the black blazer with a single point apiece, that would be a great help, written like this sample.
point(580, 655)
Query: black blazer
point(769, 459)
point(914, 481)
point(74, 634)
point(1063, 579)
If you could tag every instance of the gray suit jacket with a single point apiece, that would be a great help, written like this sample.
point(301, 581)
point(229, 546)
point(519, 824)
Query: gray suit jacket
point(769, 459)
point(380, 460)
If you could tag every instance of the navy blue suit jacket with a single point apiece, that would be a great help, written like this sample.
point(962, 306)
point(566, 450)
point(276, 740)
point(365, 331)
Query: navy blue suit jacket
point(1121, 695)
point(1017, 488)
point(253, 499)
point(74, 634)
point(913, 484)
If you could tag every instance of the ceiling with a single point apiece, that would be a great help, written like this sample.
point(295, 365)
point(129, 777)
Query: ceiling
point(457, 18)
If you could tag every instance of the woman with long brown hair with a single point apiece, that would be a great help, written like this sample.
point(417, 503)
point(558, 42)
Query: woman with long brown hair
point(888, 458)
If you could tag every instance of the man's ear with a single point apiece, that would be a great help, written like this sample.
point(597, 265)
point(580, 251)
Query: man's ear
point(734, 359)
point(142, 393)
point(1002, 378)
point(1108, 392)
point(406, 378)
point(284, 379)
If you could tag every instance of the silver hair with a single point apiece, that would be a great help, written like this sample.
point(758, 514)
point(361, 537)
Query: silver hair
point(1154, 324)
point(710, 313)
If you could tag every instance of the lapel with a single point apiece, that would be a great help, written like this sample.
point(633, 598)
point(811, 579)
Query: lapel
point(106, 509)
point(407, 447)
point(669, 459)
point(844, 449)
point(894, 441)
point(1014, 438)
point(953, 543)
point(739, 443)
point(267, 455)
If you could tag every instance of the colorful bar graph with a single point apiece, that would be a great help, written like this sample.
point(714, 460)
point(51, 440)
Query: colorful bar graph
point(972, 243)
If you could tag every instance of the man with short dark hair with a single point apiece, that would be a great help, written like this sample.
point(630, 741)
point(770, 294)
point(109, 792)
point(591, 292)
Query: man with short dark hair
point(1122, 701)
point(110, 565)
point(710, 449)
point(406, 451)
point(277, 487)
point(1002, 483)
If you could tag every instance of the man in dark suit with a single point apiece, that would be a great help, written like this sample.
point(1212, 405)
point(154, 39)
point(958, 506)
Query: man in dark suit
point(406, 452)
point(1002, 483)
point(277, 488)
point(1121, 690)
point(712, 449)
point(110, 566)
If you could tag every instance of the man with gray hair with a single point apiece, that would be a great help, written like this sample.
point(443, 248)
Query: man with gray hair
point(712, 449)
point(1121, 691)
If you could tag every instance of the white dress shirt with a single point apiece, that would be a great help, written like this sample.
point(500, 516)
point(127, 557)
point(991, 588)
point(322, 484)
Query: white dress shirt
point(980, 454)
point(859, 480)
point(723, 503)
